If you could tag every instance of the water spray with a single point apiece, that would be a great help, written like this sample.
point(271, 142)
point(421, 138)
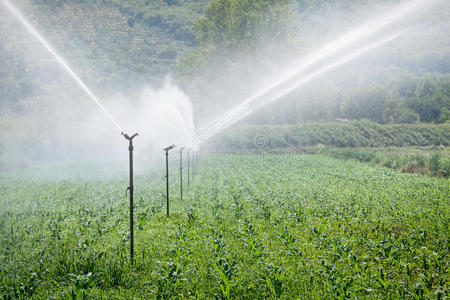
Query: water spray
point(131, 190)
point(14, 11)
point(244, 109)
point(341, 43)
point(167, 175)
point(181, 173)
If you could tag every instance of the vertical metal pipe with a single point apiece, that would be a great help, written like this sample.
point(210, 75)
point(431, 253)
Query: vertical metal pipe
point(167, 181)
point(167, 175)
point(181, 173)
point(188, 162)
point(131, 190)
point(130, 148)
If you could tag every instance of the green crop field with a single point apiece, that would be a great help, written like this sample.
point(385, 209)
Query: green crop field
point(288, 226)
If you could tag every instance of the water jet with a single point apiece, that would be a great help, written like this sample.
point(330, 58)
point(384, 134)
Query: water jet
point(61, 61)
point(288, 78)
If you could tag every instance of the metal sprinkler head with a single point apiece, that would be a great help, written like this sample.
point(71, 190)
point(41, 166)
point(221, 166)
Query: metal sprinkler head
point(127, 137)
point(170, 147)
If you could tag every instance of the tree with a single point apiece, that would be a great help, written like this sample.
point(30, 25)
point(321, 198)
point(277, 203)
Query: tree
point(238, 41)
point(400, 115)
point(430, 101)
point(365, 103)
point(241, 27)
point(445, 115)
point(426, 86)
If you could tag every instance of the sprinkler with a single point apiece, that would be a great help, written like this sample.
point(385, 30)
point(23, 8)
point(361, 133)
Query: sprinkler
point(181, 173)
point(131, 189)
point(193, 165)
point(167, 174)
point(188, 164)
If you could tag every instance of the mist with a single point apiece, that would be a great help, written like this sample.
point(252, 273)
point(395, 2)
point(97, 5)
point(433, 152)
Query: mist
point(317, 44)
point(66, 125)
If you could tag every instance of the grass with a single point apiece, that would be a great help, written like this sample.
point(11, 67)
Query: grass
point(250, 226)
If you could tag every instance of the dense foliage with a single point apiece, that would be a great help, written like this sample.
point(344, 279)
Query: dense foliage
point(239, 28)
point(338, 134)
point(248, 227)
point(429, 160)
point(113, 45)
point(241, 49)
point(405, 100)
point(120, 45)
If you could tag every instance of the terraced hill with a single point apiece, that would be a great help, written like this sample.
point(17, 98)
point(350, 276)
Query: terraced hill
point(109, 45)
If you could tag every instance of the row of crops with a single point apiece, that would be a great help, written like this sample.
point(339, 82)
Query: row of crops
point(248, 227)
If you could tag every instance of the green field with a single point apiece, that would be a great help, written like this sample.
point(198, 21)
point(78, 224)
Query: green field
point(257, 226)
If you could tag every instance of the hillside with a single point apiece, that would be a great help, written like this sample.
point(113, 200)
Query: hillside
point(110, 44)
point(118, 46)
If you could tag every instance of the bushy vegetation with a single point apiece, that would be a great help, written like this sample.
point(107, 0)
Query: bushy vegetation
point(431, 160)
point(111, 44)
point(248, 227)
point(237, 41)
point(401, 100)
point(120, 45)
point(344, 134)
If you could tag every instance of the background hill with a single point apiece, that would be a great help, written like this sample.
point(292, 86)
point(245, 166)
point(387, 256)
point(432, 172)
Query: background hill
point(234, 46)
point(111, 44)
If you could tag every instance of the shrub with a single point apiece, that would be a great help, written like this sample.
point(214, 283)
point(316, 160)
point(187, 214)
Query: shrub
point(351, 134)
